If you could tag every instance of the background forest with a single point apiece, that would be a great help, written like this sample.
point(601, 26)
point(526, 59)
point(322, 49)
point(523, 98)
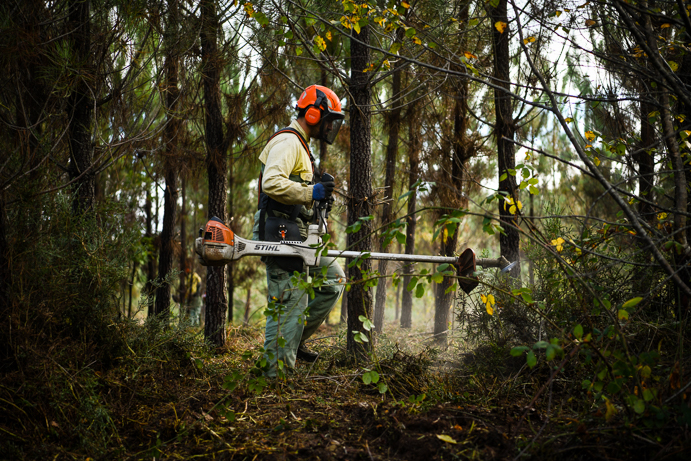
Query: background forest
point(553, 133)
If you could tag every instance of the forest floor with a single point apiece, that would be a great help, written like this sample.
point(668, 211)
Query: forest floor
point(437, 406)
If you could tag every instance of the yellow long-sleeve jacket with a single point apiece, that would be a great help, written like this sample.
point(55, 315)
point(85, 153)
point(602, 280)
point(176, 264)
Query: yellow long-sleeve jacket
point(287, 169)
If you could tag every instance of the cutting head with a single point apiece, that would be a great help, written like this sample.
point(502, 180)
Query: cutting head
point(465, 268)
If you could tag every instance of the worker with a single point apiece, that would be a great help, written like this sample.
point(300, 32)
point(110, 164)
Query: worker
point(193, 298)
point(288, 192)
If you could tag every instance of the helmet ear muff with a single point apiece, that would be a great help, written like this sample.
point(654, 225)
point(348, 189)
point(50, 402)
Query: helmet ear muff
point(313, 115)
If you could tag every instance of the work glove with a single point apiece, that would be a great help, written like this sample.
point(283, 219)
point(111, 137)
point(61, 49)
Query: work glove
point(323, 190)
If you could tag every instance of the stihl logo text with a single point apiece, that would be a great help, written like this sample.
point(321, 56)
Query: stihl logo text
point(267, 247)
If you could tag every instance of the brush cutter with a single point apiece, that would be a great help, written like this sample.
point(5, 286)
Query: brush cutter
point(217, 245)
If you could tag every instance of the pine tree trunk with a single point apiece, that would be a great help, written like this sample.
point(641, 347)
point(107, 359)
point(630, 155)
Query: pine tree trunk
point(231, 212)
point(413, 175)
point(360, 189)
point(170, 135)
point(165, 258)
point(182, 289)
point(504, 129)
point(80, 109)
point(151, 254)
point(391, 157)
point(216, 167)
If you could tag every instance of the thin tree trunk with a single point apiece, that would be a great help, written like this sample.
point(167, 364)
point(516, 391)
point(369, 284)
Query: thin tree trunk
point(231, 266)
point(216, 167)
point(165, 258)
point(391, 157)
point(182, 289)
point(134, 273)
point(151, 255)
point(80, 108)
point(458, 200)
point(504, 129)
point(246, 319)
point(413, 175)
point(360, 189)
point(170, 135)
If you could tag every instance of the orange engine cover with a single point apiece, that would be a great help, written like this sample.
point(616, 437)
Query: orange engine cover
point(218, 232)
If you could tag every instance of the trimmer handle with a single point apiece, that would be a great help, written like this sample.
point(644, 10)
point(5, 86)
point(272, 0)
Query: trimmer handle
point(328, 201)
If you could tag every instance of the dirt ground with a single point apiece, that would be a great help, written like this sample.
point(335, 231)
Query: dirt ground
point(180, 410)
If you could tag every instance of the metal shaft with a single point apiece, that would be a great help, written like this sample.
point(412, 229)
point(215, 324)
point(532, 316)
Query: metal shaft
point(484, 262)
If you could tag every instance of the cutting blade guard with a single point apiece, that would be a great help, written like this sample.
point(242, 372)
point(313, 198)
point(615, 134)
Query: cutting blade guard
point(465, 268)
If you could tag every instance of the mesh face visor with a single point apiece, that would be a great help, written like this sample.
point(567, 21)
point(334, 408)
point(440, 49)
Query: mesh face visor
point(330, 126)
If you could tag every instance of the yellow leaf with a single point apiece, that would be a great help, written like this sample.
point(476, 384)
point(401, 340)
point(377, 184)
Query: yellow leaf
point(590, 22)
point(500, 26)
point(611, 411)
point(665, 25)
point(356, 27)
point(328, 35)
point(490, 299)
point(469, 55)
point(320, 42)
point(445, 235)
point(249, 9)
point(596, 161)
point(417, 40)
point(446, 438)
point(490, 311)
point(559, 244)
point(345, 22)
point(673, 65)
point(590, 136)
point(568, 120)
point(661, 216)
point(528, 40)
point(405, 5)
point(557, 13)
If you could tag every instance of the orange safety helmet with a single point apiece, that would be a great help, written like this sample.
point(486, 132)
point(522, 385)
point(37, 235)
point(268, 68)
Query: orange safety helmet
point(320, 104)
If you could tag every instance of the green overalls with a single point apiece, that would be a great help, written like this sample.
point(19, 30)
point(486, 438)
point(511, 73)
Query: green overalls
point(301, 316)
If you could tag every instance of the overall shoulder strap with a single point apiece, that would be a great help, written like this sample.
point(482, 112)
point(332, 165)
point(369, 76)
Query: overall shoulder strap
point(302, 141)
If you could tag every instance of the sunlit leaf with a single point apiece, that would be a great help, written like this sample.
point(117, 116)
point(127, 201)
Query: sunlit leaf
point(446, 438)
point(469, 55)
point(623, 314)
point(500, 26)
point(590, 22)
point(632, 302)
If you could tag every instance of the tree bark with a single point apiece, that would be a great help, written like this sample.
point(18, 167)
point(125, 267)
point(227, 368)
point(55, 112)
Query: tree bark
point(182, 289)
point(360, 189)
point(151, 254)
point(504, 129)
point(170, 135)
point(458, 200)
point(394, 123)
point(415, 141)
point(216, 167)
point(80, 108)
